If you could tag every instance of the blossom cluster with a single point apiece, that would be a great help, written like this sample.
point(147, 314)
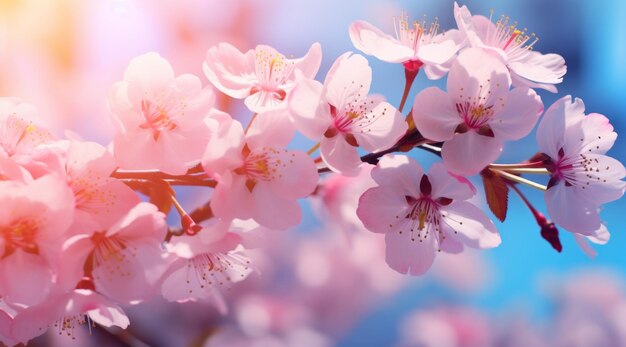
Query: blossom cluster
point(83, 228)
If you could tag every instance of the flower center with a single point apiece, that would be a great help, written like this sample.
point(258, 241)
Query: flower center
point(156, 118)
point(272, 70)
point(569, 169)
point(263, 164)
point(422, 217)
point(474, 115)
point(20, 234)
point(108, 253)
point(14, 131)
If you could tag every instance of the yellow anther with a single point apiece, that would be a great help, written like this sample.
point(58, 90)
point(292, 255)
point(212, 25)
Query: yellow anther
point(422, 219)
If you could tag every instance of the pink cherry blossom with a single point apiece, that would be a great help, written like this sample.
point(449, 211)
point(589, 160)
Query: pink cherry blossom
point(87, 166)
point(98, 196)
point(583, 177)
point(528, 68)
point(415, 45)
point(447, 327)
point(160, 118)
point(205, 263)
point(11, 171)
point(421, 214)
point(67, 312)
point(125, 261)
point(263, 76)
point(338, 198)
point(257, 177)
point(19, 132)
point(477, 114)
point(33, 219)
point(343, 117)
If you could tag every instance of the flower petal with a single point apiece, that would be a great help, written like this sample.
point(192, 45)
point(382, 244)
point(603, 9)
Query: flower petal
point(25, 278)
point(131, 274)
point(399, 171)
point(437, 53)
point(600, 180)
point(273, 211)
point(310, 63)
point(372, 41)
point(598, 134)
point(232, 199)
point(340, 156)
point(229, 70)
point(379, 208)
point(149, 73)
point(309, 112)
point(223, 153)
point(480, 76)
point(435, 115)
point(520, 114)
point(407, 256)
point(297, 175)
point(470, 225)
point(571, 210)
point(347, 81)
point(551, 129)
point(468, 153)
point(381, 126)
point(270, 129)
point(542, 69)
point(445, 185)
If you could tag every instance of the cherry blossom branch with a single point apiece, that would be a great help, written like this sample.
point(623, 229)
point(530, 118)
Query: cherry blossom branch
point(191, 182)
point(192, 178)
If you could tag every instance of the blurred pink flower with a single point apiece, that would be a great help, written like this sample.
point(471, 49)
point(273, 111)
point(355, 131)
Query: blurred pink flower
point(204, 264)
point(263, 76)
point(19, 135)
point(33, 219)
point(477, 114)
point(342, 116)
point(160, 118)
point(11, 171)
point(421, 214)
point(528, 68)
point(337, 199)
point(446, 327)
point(67, 312)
